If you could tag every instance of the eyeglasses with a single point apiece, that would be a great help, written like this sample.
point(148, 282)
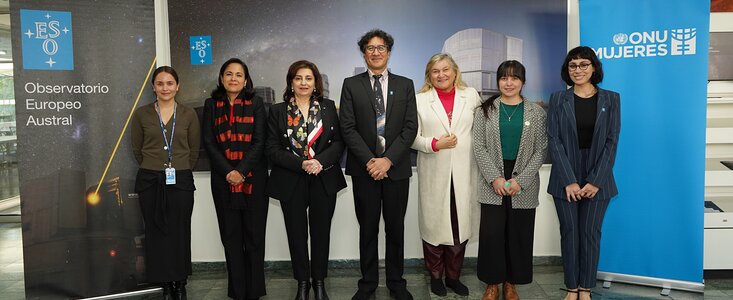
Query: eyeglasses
point(582, 66)
point(380, 48)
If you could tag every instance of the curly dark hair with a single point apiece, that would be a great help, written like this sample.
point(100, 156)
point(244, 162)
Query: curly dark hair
point(364, 40)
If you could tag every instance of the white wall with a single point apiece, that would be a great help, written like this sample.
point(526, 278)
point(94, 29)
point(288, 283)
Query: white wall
point(206, 245)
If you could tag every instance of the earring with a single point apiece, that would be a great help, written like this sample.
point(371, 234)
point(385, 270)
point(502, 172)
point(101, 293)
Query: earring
point(314, 91)
point(292, 90)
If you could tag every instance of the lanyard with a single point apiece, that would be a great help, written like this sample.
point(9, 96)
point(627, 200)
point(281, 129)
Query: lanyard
point(168, 145)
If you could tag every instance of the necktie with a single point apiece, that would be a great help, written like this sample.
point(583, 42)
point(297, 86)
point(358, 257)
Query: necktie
point(381, 114)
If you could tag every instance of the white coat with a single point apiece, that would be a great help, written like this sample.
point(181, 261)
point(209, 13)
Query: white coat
point(436, 169)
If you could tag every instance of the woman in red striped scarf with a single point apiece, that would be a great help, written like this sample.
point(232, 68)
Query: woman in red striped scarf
point(234, 131)
point(304, 145)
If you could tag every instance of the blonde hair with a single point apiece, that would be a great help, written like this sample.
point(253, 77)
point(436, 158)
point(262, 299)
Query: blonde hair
point(434, 60)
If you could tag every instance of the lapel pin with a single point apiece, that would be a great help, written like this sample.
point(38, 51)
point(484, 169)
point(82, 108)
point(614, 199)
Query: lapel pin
point(391, 93)
point(603, 109)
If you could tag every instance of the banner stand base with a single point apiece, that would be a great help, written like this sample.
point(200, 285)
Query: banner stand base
point(666, 284)
point(127, 294)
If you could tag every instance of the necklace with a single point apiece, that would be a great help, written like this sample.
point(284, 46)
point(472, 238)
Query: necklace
point(505, 110)
point(587, 95)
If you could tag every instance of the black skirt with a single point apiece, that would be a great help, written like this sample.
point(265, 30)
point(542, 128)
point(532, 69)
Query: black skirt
point(166, 210)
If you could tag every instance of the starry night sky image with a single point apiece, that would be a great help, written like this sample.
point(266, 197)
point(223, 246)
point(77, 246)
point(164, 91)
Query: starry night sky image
point(114, 45)
point(270, 35)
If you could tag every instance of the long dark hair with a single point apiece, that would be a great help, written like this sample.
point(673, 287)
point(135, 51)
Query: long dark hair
point(220, 93)
point(507, 68)
point(302, 64)
point(582, 52)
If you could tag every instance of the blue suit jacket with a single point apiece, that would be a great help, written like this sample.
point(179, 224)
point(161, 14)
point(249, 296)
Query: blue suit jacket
point(563, 146)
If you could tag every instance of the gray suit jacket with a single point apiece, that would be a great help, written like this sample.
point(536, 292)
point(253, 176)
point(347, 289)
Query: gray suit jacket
point(563, 143)
point(532, 151)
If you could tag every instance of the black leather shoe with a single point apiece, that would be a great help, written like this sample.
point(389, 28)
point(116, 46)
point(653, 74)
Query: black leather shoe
point(179, 290)
point(362, 295)
point(167, 290)
point(437, 287)
point(319, 289)
point(304, 288)
point(402, 294)
point(457, 286)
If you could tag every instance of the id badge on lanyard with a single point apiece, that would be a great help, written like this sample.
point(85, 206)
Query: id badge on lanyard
point(170, 176)
point(170, 171)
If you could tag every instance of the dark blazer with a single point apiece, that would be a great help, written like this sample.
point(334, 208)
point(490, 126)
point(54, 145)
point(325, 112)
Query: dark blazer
point(563, 146)
point(253, 159)
point(359, 129)
point(287, 167)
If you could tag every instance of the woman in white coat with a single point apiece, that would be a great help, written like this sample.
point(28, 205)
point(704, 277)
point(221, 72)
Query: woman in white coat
point(446, 171)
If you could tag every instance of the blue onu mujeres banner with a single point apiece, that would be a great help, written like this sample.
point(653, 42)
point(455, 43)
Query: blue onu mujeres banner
point(654, 53)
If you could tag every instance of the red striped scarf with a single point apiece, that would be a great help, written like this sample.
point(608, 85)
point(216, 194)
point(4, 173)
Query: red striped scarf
point(234, 125)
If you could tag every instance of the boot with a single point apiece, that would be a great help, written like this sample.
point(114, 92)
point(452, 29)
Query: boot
point(179, 290)
point(304, 288)
point(492, 292)
point(319, 289)
point(457, 286)
point(167, 290)
point(437, 287)
point(510, 293)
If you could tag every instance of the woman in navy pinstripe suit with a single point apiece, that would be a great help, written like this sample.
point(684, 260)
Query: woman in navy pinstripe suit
point(583, 125)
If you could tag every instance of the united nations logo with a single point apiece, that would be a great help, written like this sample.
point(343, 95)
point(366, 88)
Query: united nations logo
point(620, 38)
point(46, 40)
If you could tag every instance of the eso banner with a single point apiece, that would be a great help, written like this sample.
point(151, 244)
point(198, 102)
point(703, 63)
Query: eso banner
point(79, 68)
point(654, 53)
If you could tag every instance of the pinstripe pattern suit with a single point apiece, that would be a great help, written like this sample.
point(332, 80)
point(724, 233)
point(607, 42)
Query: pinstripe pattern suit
point(580, 222)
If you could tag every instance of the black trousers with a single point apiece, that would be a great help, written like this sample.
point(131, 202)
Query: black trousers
point(168, 249)
point(310, 205)
point(243, 237)
point(506, 240)
point(373, 199)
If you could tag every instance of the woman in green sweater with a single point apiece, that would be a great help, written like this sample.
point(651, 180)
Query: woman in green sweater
point(165, 141)
point(510, 145)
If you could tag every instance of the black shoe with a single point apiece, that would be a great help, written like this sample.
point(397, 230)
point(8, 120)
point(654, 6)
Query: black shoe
point(457, 286)
point(304, 288)
point(437, 287)
point(401, 294)
point(362, 295)
point(167, 290)
point(319, 289)
point(179, 290)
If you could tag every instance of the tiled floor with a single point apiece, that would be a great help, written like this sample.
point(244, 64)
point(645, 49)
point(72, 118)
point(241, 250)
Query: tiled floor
point(341, 283)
